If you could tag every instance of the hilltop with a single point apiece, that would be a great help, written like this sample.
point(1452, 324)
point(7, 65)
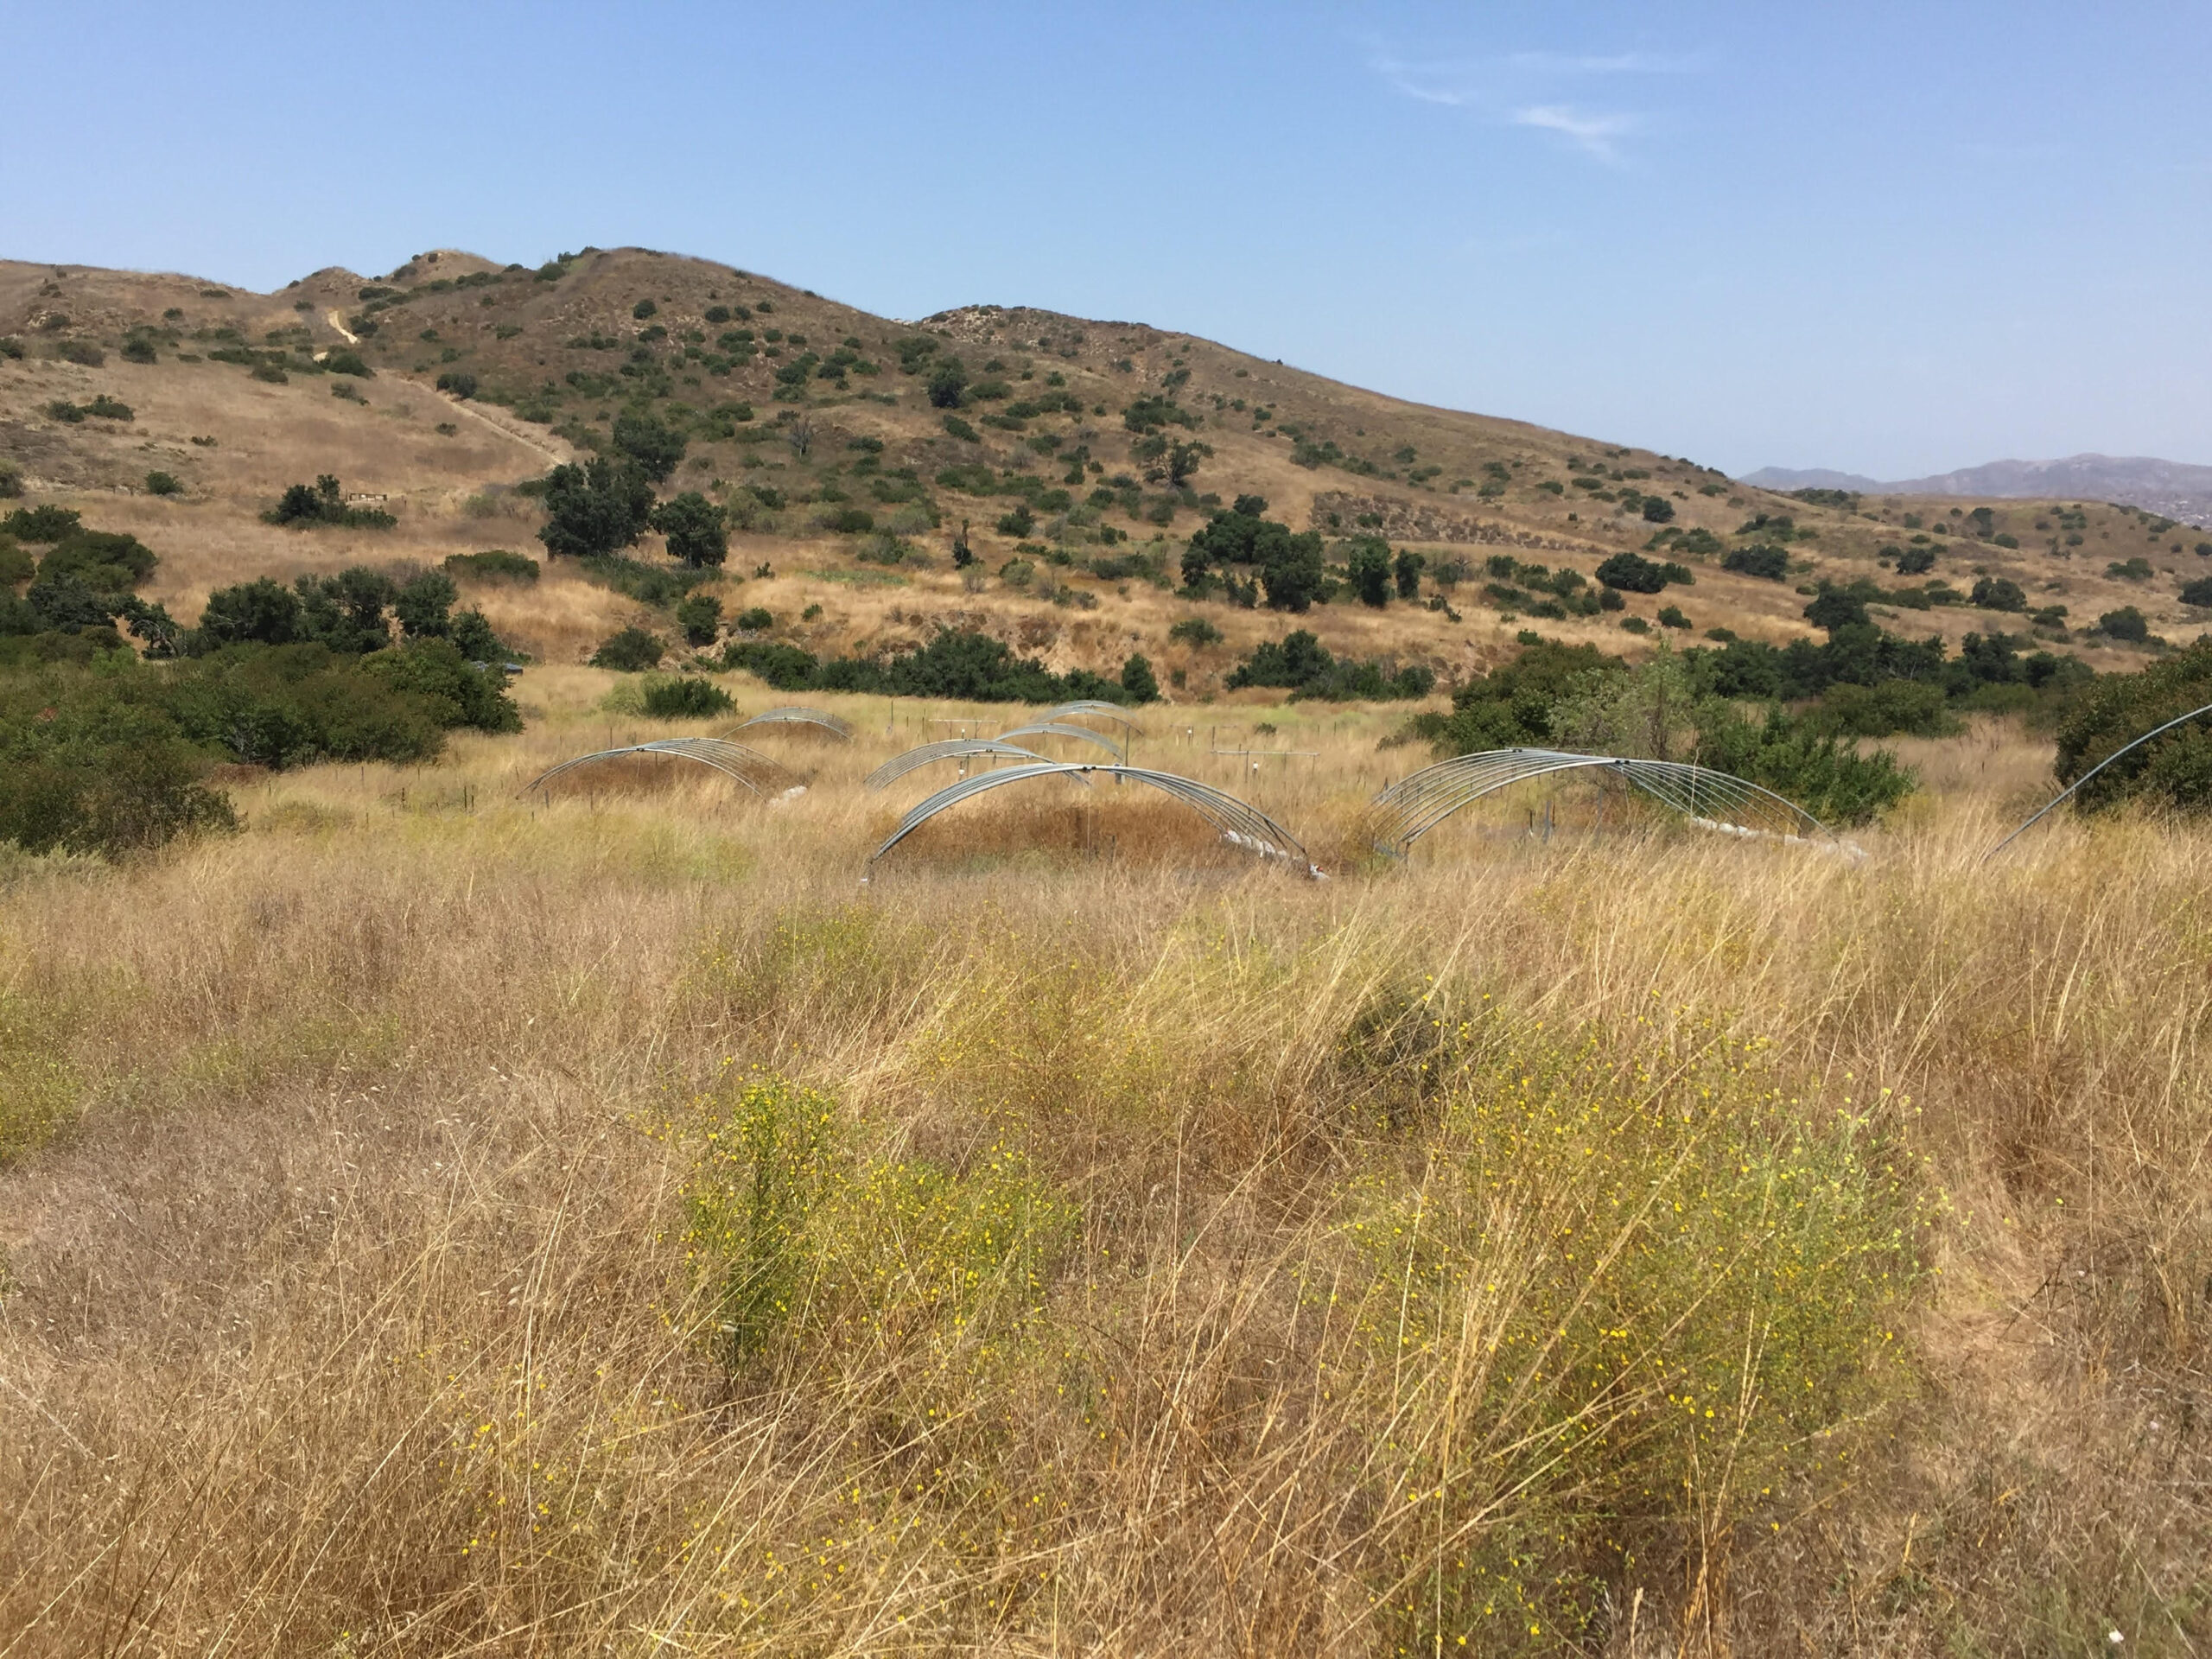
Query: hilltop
point(854, 455)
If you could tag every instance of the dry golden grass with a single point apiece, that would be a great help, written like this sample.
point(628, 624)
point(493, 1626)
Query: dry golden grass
point(520, 334)
point(369, 1296)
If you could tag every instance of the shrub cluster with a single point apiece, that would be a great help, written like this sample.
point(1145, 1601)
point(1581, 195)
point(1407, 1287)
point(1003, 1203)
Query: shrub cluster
point(322, 502)
point(1302, 664)
point(955, 663)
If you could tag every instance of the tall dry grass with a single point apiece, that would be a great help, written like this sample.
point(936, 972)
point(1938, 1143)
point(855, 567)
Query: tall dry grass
point(447, 1223)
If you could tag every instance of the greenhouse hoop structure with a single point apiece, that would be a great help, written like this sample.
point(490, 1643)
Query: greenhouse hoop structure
point(951, 749)
point(1097, 706)
point(2067, 793)
point(1057, 728)
point(755, 771)
point(1237, 822)
point(795, 716)
point(1711, 800)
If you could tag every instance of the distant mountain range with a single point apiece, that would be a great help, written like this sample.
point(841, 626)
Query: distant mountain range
point(2171, 487)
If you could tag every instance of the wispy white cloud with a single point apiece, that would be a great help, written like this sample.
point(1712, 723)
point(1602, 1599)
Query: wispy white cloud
point(1590, 133)
point(1528, 89)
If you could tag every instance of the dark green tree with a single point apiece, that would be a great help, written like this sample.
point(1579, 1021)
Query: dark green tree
point(1368, 558)
point(947, 381)
point(263, 613)
point(1138, 682)
point(1407, 569)
point(650, 445)
point(694, 526)
point(425, 606)
point(1295, 574)
point(595, 509)
point(346, 612)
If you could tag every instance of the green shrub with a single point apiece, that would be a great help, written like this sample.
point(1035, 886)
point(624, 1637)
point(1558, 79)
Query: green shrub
point(494, 564)
point(439, 674)
point(643, 309)
point(1670, 616)
point(631, 651)
point(947, 382)
point(139, 349)
point(2198, 593)
point(107, 562)
point(1999, 594)
point(2134, 570)
point(1769, 564)
point(459, 382)
point(158, 483)
point(82, 351)
point(1915, 561)
point(2126, 623)
point(755, 620)
point(1017, 522)
point(304, 506)
point(649, 584)
point(960, 429)
point(67, 413)
point(1196, 631)
point(1633, 572)
point(95, 765)
point(700, 616)
point(1603, 1235)
point(11, 349)
point(1299, 662)
point(11, 480)
point(687, 697)
point(45, 523)
point(271, 373)
point(2174, 770)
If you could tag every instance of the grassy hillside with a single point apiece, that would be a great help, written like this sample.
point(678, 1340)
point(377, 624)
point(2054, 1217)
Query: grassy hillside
point(802, 415)
point(463, 1223)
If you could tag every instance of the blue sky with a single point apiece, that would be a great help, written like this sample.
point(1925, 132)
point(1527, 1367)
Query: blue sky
point(1893, 239)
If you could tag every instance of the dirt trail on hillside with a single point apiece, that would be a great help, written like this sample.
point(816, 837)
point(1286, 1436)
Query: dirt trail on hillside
point(559, 456)
point(337, 322)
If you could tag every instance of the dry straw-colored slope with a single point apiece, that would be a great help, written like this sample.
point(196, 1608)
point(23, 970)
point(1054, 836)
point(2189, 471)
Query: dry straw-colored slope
point(448, 468)
point(1185, 1240)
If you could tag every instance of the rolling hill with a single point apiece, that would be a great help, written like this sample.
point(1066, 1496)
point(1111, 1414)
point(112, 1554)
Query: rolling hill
point(443, 388)
point(2171, 487)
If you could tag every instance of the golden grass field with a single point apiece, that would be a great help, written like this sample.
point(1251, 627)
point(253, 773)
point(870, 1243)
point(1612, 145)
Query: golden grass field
point(449, 488)
point(440, 1223)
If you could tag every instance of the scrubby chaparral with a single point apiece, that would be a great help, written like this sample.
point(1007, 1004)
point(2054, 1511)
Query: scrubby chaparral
point(441, 1217)
point(447, 1223)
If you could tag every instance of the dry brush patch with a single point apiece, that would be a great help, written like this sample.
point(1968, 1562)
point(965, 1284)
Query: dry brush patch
point(440, 1223)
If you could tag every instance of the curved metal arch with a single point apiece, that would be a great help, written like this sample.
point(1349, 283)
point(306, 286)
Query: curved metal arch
point(795, 716)
point(749, 766)
point(1093, 705)
point(1054, 728)
point(1237, 822)
point(2060, 799)
point(948, 749)
point(1714, 800)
